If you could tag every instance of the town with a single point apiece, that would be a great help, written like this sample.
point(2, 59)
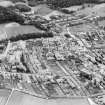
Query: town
point(55, 56)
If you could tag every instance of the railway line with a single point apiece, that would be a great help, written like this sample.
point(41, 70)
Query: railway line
point(75, 80)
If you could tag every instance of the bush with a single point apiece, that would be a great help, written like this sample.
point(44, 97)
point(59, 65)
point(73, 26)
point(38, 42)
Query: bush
point(22, 8)
point(68, 3)
point(33, 3)
point(38, 25)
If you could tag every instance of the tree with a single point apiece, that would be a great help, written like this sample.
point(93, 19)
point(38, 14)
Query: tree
point(67, 3)
point(67, 11)
point(7, 15)
point(14, 1)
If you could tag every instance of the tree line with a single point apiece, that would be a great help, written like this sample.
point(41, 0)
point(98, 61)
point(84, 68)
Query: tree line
point(7, 15)
point(31, 36)
point(67, 3)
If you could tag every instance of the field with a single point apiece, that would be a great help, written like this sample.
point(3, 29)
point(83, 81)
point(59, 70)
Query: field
point(15, 31)
point(82, 28)
point(19, 98)
point(98, 10)
point(42, 10)
point(4, 94)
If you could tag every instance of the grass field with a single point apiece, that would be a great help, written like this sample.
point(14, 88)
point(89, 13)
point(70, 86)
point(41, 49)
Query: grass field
point(4, 94)
point(82, 28)
point(98, 10)
point(19, 98)
point(15, 31)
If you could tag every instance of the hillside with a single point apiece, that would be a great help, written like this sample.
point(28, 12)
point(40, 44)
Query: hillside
point(7, 15)
point(98, 10)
